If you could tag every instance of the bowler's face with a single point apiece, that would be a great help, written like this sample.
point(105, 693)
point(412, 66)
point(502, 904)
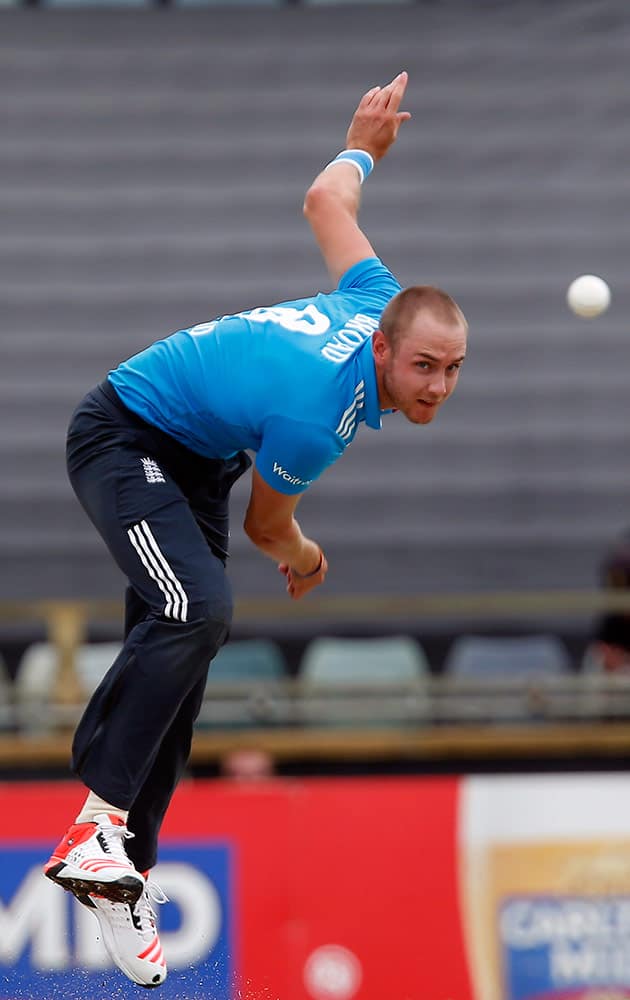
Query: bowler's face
point(422, 370)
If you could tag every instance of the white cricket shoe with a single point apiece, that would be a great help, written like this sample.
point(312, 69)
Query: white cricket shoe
point(91, 858)
point(130, 935)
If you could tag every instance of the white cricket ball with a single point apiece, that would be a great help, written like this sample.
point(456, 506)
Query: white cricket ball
point(588, 295)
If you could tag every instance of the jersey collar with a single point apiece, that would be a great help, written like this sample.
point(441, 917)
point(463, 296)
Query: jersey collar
point(371, 407)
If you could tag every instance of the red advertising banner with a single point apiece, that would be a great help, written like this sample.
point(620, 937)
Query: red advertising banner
point(305, 889)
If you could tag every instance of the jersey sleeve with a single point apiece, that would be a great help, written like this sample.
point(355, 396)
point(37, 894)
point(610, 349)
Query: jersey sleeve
point(371, 276)
point(293, 454)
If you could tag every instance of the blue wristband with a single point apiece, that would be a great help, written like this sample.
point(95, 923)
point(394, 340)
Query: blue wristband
point(358, 158)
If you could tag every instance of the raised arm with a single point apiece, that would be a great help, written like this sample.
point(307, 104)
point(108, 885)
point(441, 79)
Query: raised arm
point(332, 202)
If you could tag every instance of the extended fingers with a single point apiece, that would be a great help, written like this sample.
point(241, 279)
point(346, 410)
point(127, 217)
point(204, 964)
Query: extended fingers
point(368, 97)
point(395, 91)
point(388, 96)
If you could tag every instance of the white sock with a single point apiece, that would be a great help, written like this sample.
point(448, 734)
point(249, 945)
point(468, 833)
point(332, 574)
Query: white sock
point(94, 805)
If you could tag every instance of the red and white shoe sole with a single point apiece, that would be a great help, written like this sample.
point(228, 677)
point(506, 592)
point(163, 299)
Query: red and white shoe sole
point(125, 888)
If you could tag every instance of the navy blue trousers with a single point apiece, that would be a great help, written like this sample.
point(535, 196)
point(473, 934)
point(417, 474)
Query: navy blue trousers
point(162, 511)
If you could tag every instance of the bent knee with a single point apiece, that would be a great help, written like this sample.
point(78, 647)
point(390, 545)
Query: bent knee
point(190, 645)
point(217, 631)
point(212, 623)
point(213, 604)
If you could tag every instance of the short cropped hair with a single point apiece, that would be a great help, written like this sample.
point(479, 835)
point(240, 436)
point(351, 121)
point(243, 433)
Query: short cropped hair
point(400, 312)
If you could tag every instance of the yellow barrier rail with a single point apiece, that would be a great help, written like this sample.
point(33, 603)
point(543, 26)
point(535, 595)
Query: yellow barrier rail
point(597, 742)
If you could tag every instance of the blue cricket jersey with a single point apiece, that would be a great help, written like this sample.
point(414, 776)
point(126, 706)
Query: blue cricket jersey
point(290, 381)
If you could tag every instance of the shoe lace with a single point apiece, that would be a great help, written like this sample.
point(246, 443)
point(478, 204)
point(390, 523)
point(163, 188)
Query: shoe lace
point(153, 893)
point(113, 837)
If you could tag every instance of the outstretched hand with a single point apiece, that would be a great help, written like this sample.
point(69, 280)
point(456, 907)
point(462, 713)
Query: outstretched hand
point(376, 121)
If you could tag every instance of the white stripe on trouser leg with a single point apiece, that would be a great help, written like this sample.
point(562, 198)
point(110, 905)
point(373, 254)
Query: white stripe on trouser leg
point(159, 569)
point(167, 574)
point(171, 609)
point(139, 544)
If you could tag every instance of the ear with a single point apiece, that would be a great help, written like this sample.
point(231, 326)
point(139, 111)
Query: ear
point(380, 348)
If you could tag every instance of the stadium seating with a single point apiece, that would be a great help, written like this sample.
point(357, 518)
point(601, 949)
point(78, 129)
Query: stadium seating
point(383, 661)
point(6, 695)
point(507, 657)
point(37, 672)
point(248, 660)
point(367, 682)
point(93, 661)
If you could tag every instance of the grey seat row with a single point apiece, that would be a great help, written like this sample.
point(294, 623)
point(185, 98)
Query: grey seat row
point(326, 660)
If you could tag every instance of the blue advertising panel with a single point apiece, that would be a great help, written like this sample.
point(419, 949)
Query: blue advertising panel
point(50, 946)
point(565, 947)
